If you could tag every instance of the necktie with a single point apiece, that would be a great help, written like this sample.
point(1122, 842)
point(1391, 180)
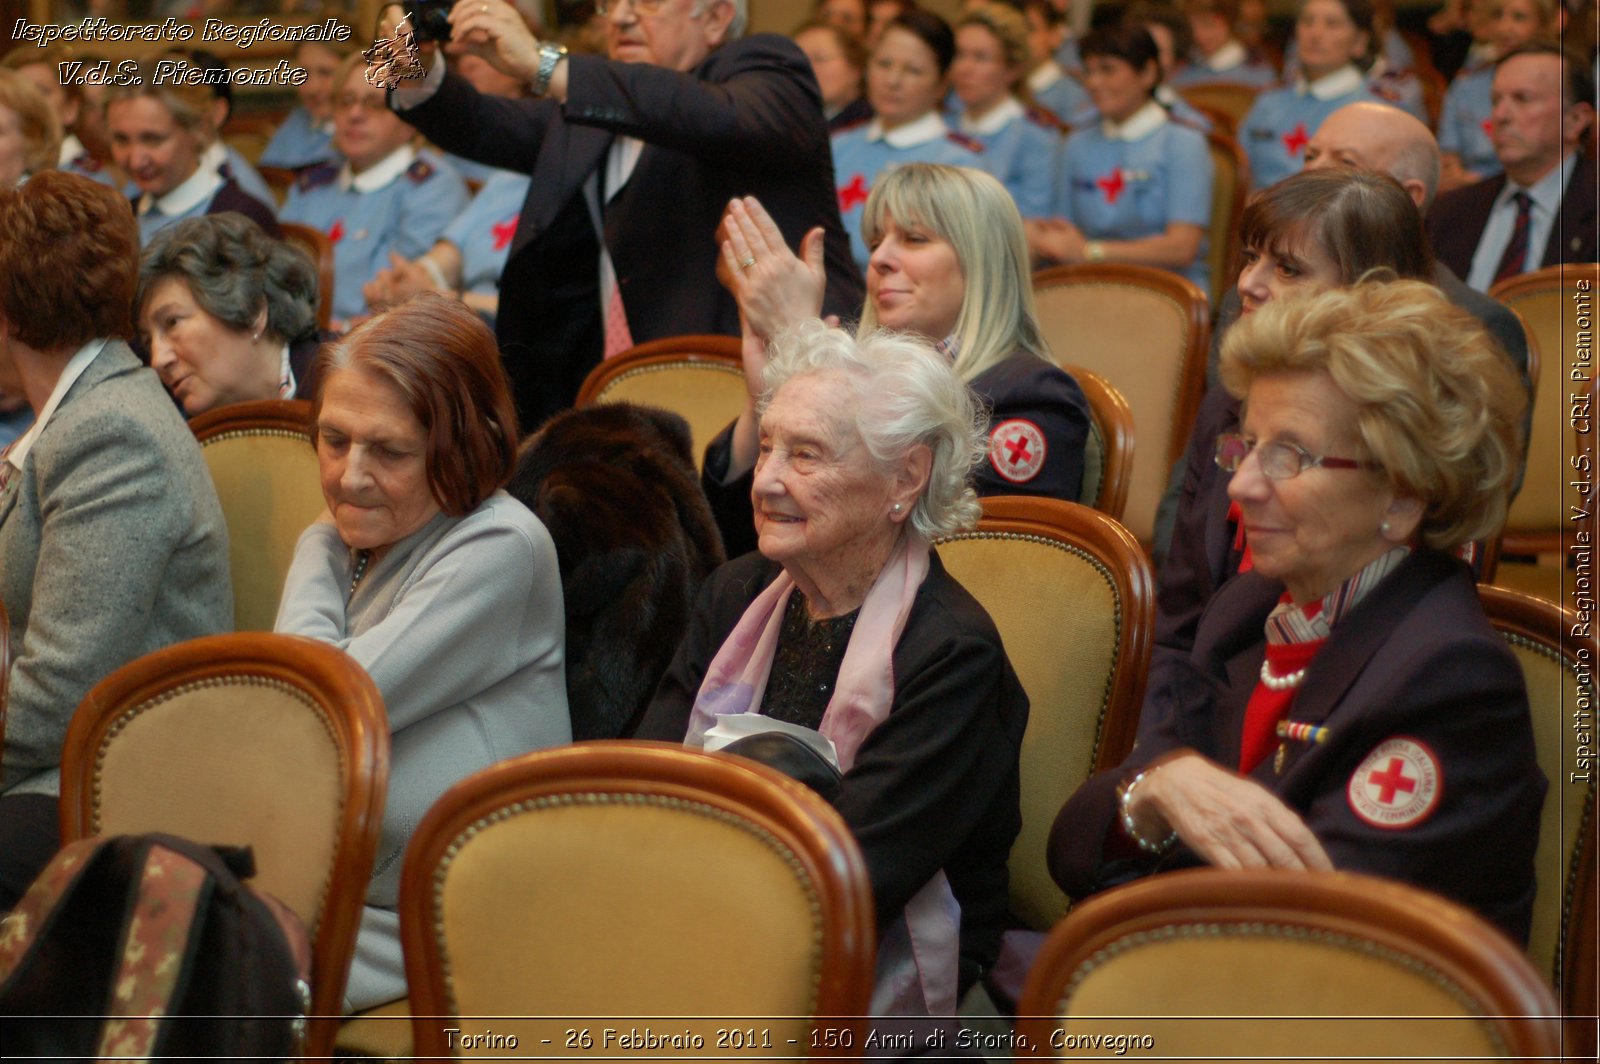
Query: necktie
point(618, 338)
point(1516, 253)
point(6, 468)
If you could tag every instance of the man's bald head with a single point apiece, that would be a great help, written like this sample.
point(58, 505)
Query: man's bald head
point(1373, 136)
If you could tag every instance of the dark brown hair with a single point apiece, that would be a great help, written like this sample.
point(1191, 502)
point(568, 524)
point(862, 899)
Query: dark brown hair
point(442, 358)
point(69, 261)
point(1363, 220)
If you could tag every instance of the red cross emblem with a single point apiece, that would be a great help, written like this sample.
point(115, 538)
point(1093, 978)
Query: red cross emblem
point(1294, 141)
point(1017, 450)
point(503, 232)
point(854, 194)
point(1397, 785)
point(1112, 185)
point(336, 231)
point(1488, 127)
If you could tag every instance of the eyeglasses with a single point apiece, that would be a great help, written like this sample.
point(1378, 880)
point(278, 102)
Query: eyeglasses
point(647, 8)
point(375, 104)
point(1279, 460)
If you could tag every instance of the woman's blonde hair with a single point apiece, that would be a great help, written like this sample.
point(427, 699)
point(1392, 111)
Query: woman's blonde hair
point(1009, 26)
point(36, 119)
point(1439, 405)
point(977, 216)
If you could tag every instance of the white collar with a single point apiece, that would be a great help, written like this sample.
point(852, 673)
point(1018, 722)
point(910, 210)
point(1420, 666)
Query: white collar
point(1139, 125)
point(1003, 114)
point(1346, 79)
point(71, 148)
point(1481, 54)
point(193, 191)
point(69, 376)
point(286, 381)
point(1045, 75)
point(381, 173)
point(1230, 55)
point(214, 157)
point(930, 127)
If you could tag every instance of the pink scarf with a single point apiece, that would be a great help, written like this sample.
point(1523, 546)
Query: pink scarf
point(917, 958)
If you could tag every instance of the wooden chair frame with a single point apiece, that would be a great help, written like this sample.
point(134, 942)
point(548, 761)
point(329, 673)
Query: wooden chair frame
point(285, 416)
point(1224, 253)
point(644, 773)
point(1113, 417)
point(1231, 98)
point(351, 709)
point(315, 243)
point(1554, 631)
point(1561, 279)
point(1124, 564)
point(1424, 932)
point(666, 353)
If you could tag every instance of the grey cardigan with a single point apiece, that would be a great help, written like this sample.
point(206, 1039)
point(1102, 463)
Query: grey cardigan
point(112, 545)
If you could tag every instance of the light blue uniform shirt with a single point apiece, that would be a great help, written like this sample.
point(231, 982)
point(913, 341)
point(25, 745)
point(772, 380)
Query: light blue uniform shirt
point(1398, 88)
point(863, 152)
point(1231, 63)
point(1274, 133)
point(1464, 121)
point(483, 232)
point(1021, 151)
point(401, 204)
point(1132, 181)
point(75, 159)
point(1057, 91)
point(299, 142)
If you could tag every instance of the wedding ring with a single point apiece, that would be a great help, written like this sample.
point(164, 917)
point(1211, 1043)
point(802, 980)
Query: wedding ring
point(747, 262)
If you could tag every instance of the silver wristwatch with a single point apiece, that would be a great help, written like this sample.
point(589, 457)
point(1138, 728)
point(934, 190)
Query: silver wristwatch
point(549, 56)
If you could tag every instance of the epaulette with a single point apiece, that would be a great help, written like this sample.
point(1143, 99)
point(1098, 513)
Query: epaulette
point(1388, 93)
point(1044, 118)
point(316, 176)
point(88, 163)
point(970, 143)
point(420, 171)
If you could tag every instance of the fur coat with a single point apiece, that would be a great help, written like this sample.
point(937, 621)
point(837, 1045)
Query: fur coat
point(616, 486)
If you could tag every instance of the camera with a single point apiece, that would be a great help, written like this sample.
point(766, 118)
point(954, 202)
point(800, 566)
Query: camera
point(430, 19)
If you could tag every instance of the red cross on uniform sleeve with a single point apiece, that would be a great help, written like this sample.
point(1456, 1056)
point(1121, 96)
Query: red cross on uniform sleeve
point(1294, 141)
point(336, 231)
point(1112, 185)
point(854, 194)
point(1397, 785)
point(503, 232)
point(1017, 450)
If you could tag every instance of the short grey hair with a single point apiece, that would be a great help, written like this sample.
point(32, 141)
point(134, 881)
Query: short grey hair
point(907, 394)
point(741, 16)
point(234, 269)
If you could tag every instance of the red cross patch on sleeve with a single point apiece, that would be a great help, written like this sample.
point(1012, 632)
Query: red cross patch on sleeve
point(1397, 785)
point(1017, 450)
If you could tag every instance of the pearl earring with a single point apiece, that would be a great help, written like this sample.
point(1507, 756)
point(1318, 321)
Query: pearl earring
point(898, 507)
point(1384, 528)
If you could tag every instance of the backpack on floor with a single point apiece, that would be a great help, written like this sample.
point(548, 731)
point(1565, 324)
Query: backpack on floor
point(149, 946)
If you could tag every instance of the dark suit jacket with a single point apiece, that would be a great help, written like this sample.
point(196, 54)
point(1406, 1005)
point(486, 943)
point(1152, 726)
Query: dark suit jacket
point(1415, 660)
point(746, 121)
point(936, 785)
point(1457, 220)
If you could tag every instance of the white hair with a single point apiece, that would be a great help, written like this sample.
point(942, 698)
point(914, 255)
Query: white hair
point(907, 395)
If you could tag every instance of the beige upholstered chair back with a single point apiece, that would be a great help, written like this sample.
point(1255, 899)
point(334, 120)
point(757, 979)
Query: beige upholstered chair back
point(1108, 453)
point(1558, 663)
point(265, 472)
point(1071, 594)
point(621, 881)
point(1272, 965)
point(1230, 181)
point(315, 243)
point(699, 378)
point(1144, 330)
point(1550, 302)
point(270, 741)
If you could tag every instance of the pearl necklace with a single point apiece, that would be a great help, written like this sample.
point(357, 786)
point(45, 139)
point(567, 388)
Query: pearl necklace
point(1281, 683)
point(363, 559)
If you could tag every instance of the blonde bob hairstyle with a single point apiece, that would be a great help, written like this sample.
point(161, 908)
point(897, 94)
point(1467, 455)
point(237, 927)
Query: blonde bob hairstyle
point(906, 395)
point(977, 216)
point(36, 121)
point(1439, 405)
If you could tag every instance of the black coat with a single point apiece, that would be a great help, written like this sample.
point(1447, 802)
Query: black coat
point(746, 122)
point(936, 785)
point(1415, 661)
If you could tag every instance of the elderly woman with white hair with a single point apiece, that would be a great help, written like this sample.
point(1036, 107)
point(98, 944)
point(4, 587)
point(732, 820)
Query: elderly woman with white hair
point(846, 624)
